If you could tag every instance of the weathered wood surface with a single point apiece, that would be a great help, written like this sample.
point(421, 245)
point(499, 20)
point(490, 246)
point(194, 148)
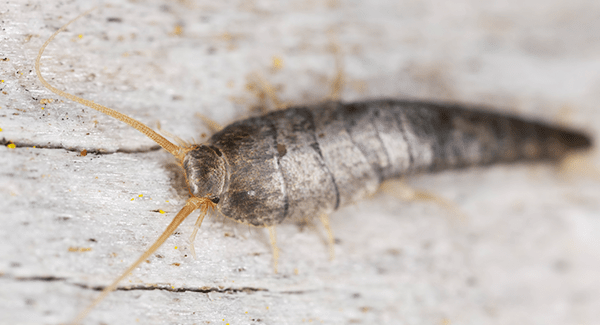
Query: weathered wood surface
point(528, 252)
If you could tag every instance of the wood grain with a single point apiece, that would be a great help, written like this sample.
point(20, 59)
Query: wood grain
point(528, 252)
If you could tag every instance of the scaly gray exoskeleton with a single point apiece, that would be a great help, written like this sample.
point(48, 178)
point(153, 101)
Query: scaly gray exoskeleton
point(309, 161)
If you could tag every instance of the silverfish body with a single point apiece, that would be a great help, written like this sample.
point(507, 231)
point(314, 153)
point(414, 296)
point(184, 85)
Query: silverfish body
point(309, 161)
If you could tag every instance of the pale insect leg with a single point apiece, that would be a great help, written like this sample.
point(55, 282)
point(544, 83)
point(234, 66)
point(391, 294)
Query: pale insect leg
point(212, 125)
point(337, 83)
point(273, 237)
point(399, 189)
point(578, 164)
point(263, 90)
point(330, 239)
point(193, 236)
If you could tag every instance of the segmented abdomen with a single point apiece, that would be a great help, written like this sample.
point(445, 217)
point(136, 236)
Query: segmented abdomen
point(304, 162)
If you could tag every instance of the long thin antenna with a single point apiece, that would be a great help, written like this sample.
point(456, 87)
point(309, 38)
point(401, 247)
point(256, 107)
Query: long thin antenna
point(192, 204)
point(175, 150)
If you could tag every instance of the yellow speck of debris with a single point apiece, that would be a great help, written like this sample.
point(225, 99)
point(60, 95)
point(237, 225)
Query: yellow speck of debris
point(79, 249)
point(246, 312)
point(2, 80)
point(277, 63)
point(267, 307)
point(132, 198)
point(80, 35)
point(141, 195)
point(167, 201)
point(42, 107)
point(0, 129)
point(11, 146)
point(161, 211)
point(178, 30)
point(125, 54)
point(175, 247)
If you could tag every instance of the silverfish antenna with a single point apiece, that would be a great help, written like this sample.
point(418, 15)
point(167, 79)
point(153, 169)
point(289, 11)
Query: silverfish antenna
point(192, 203)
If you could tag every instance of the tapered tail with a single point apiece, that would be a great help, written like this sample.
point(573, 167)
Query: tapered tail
point(462, 137)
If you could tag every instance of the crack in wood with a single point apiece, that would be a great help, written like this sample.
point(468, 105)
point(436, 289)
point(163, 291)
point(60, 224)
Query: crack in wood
point(138, 287)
